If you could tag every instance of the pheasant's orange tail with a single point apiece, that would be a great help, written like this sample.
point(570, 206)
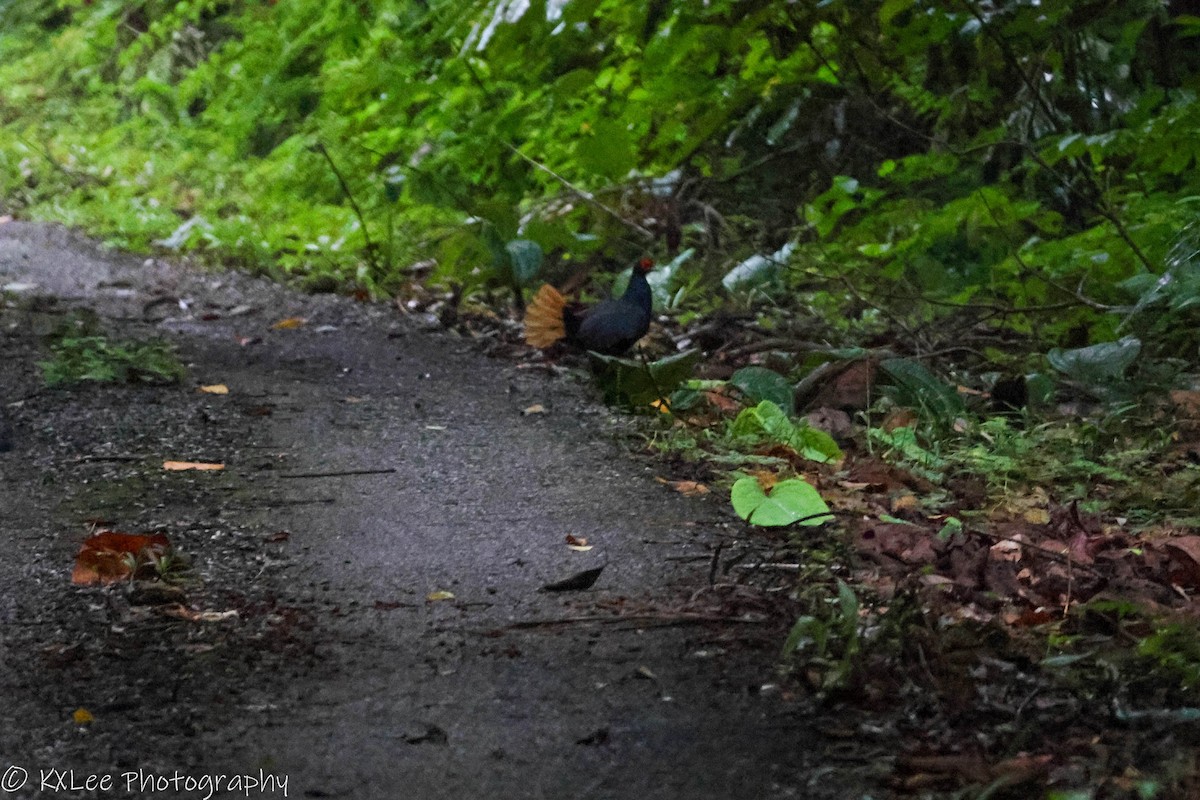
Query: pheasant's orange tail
point(544, 318)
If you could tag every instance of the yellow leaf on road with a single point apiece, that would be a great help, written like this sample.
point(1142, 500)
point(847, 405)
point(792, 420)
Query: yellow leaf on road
point(215, 388)
point(289, 324)
point(82, 716)
point(433, 597)
point(179, 466)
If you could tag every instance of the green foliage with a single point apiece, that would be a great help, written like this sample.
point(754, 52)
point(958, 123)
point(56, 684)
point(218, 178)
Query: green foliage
point(831, 640)
point(767, 421)
point(791, 501)
point(760, 383)
point(635, 383)
point(79, 358)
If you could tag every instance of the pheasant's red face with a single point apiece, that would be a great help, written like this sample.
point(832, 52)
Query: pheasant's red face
point(646, 264)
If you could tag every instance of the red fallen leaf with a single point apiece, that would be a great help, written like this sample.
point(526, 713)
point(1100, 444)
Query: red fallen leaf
point(209, 316)
point(722, 402)
point(112, 556)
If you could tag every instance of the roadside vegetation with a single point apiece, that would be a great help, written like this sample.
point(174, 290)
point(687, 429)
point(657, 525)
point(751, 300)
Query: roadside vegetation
point(928, 296)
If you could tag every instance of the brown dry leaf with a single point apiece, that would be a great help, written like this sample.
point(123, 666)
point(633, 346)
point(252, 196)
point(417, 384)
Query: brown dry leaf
point(1185, 553)
point(851, 389)
point(689, 488)
point(766, 480)
point(291, 323)
point(722, 402)
point(216, 388)
point(1187, 403)
point(899, 418)
point(180, 466)
point(536, 408)
point(112, 556)
point(82, 716)
point(1005, 550)
point(578, 543)
point(905, 502)
point(434, 597)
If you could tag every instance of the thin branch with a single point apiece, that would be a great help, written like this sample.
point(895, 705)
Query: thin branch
point(339, 473)
point(582, 193)
point(372, 254)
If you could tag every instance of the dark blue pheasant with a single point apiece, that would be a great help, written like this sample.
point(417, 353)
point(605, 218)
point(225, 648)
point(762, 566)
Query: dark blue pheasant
point(610, 327)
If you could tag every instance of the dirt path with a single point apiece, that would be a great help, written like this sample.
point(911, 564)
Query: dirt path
point(336, 671)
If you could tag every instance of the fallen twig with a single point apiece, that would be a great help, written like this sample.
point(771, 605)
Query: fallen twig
point(339, 473)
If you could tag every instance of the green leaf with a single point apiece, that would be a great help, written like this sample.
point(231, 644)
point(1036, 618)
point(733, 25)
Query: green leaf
point(608, 151)
point(792, 501)
point(634, 383)
point(760, 383)
point(917, 387)
point(1099, 364)
point(525, 260)
point(767, 420)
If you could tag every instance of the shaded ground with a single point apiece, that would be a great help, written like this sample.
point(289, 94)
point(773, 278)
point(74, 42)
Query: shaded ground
point(336, 671)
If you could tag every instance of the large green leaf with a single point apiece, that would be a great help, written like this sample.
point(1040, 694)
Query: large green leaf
point(525, 260)
point(791, 501)
point(635, 383)
point(760, 383)
point(767, 420)
point(917, 387)
point(1099, 364)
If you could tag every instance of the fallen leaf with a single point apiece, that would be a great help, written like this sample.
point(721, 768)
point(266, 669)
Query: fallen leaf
point(899, 418)
point(536, 408)
point(216, 388)
point(1005, 550)
point(111, 556)
point(278, 536)
point(1037, 516)
point(291, 323)
point(686, 488)
point(766, 480)
point(179, 466)
point(82, 716)
point(722, 402)
point(576, 583)
point(578, 543)
point(434, 597)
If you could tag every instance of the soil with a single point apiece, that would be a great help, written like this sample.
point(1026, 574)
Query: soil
point(370, 463)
